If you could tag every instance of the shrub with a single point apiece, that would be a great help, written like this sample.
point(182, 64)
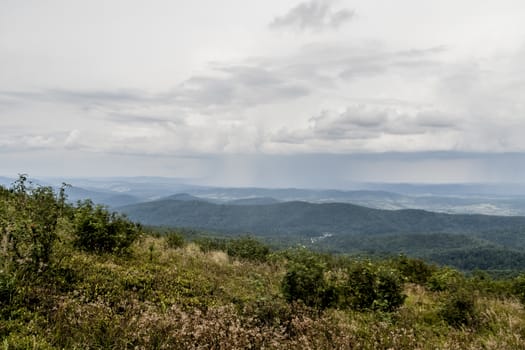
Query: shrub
point(248, 248)
point(518, 288)
point(7, 289)
point(389, 291)
point(28, 220)
point(174, 240)
point(445, 279)
point(413, 270)
point(207, 244)
point(369, 287)
point(304, 280)
point(459, 309)
point(360, 291)
point(97, 230)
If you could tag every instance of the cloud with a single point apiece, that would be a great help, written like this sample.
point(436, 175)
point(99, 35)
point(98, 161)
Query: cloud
point(72, 140)
point(238, 86)
point(27, 142)
point(314, 15)
point(372, 128)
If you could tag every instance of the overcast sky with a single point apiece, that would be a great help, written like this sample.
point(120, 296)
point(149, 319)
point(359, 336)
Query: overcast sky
point(269, 93)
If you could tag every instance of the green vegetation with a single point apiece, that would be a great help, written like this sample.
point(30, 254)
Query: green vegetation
point(97, 230)
point(80, 277)
point(467, 242)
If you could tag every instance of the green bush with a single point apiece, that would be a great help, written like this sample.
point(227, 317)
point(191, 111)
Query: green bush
point(28, 221)
point(174, 240)
point(445, 279)
point(360, 291)
point(413, 270)
point(372, 288)
point(518, 288)
point(304, 280)
point(459, 309)
point(7, 289)
point(99, 231)
point(209, 244)
point(248, 248)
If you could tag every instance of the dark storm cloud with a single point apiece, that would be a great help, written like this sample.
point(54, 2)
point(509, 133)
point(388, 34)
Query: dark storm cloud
point(313, 15)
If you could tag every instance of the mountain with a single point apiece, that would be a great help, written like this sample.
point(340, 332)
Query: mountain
point(464, 241)
point(111, 199)
point(253, 201)
point(184, 197)
point(310, 219)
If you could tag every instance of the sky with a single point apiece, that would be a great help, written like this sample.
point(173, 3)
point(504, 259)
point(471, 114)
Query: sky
point(316, 93)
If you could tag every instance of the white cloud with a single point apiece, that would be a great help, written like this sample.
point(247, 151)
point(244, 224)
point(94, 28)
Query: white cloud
point(313, 15)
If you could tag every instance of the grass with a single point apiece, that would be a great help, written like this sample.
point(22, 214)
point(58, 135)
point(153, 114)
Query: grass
point(159, 297)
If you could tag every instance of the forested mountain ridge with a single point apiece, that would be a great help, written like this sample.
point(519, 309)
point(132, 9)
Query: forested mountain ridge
point(468, 242)
point(311, 219)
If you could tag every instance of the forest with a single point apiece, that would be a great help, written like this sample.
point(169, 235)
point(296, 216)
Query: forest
point(468, 242)
point(77, 276)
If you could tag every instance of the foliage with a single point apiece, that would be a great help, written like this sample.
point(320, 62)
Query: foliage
point(413, 270)
point(28, 218)
point(174, 239)
point(459, 309)
point(445, 279)
point(467, 242)
point(518, 288)
point(372, 287)
point(248, 248)
point(207, 244)
point(304, 280)
point(360, 286)
point(97, 230)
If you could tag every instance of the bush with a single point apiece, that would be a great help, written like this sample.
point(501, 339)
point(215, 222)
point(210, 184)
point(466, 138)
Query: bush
point(208, 244)
point(248, 248)
point(445, 279)
point(97, 230)
point(518, 288)
point(369, 287)
point(459, 309)
point(7, 289)
point(389, 291)
point(28, 221)
point(174, 240)
point(413, 270)
point(304, 280)
point(360, 291)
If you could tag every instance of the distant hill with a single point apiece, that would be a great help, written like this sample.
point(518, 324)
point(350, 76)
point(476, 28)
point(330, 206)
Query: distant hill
point(111, 199)
point(465, 241)
point(311, 219)
point(254, 201)
point(184, 197)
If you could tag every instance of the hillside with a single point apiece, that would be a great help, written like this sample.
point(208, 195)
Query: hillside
point(311, 219)
point(467, 242)
point(80, 277)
